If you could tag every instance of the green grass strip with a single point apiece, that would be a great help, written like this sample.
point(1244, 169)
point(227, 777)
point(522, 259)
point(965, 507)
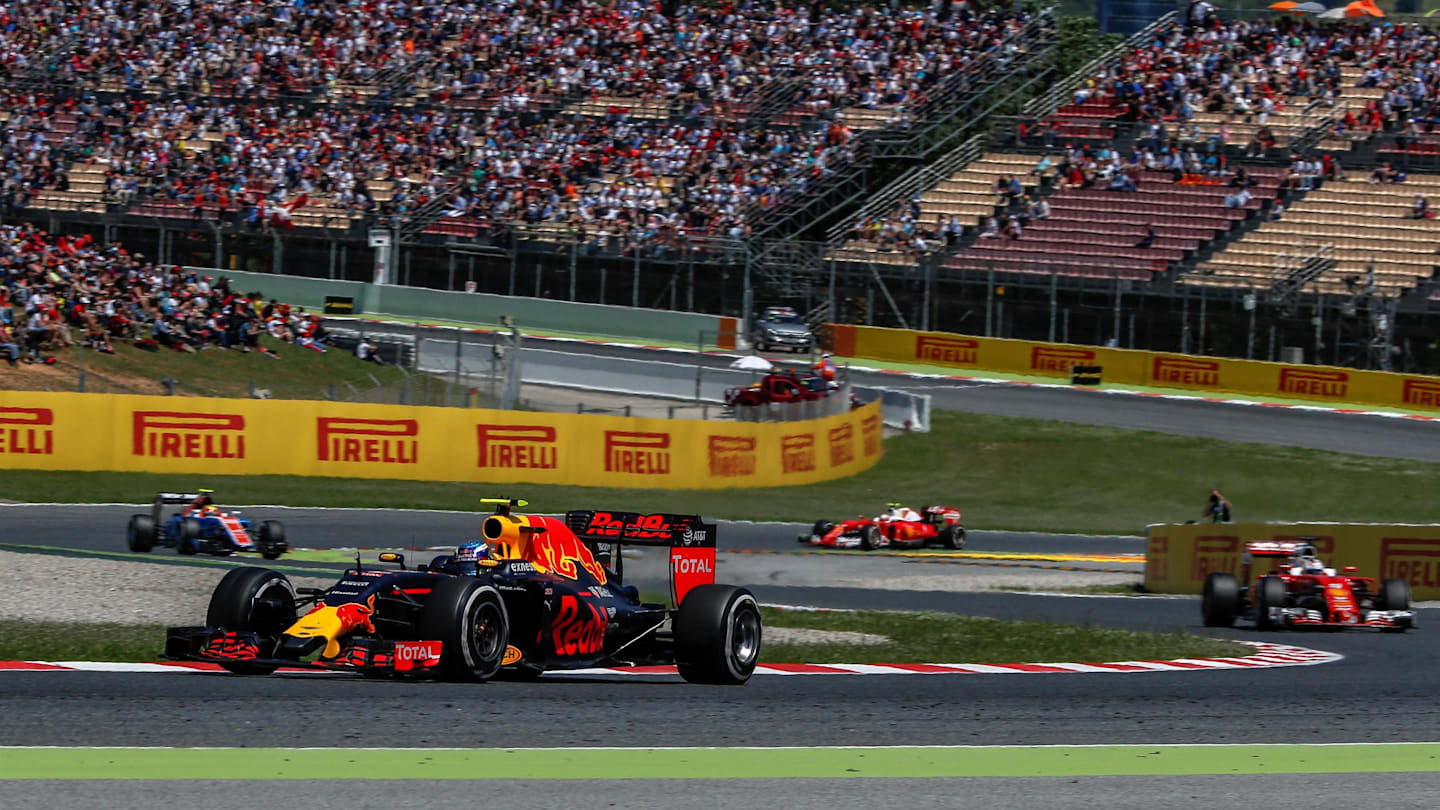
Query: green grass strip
point(711, 763)
point(201, 562)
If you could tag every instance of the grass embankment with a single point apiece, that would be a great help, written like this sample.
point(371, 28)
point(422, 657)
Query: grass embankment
point(299, 374)
point(1005, 473)
point(914, 638)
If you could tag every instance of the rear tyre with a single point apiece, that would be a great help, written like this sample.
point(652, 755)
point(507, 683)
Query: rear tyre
point(870, 538)
point(189, 540)
point(1221, 600)
point(255, 599)
point(470, 620)
point(1270, 593)
point(140, 534)
point(953, 537)
point(272, 539)
point(717, 635)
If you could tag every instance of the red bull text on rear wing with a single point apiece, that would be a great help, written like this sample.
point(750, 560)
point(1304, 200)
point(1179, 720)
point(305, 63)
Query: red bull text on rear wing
point(690, 539)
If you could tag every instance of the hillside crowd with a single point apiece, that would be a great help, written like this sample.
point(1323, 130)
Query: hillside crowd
point(57, 291)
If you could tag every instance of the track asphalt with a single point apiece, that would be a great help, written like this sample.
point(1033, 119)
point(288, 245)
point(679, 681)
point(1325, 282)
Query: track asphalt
point(1380, 691)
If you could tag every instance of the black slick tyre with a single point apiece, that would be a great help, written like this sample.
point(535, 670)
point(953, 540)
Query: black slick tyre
point(717, 635)
point(1270, 592)
point(140, 534)
point(272, 539)
point(820, 529)
point(1220, 601)
point(469, 618)
point(870, 537)
point(254, 599)
point(1394, 595)
point(953, 537)
point(189, 536)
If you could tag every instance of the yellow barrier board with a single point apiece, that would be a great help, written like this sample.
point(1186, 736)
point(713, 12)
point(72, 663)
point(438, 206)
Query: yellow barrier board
point(1179, 557)
point(1212, 374)
point(126, 433)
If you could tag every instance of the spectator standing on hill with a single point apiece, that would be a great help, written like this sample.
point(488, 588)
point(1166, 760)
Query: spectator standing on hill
point(1217, 508)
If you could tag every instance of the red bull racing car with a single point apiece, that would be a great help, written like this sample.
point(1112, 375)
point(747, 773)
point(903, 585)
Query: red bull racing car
point(898, 526)
point(202, 526)
point(1293, 588)
point(537, 594)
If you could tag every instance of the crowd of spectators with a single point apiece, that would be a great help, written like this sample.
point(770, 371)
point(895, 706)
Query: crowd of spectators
point(222, 148)
point(57, 291)
point(513, 49)
point(1247, 70)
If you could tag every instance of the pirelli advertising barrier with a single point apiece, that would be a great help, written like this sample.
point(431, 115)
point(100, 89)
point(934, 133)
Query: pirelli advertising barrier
point(125, 433)
point(1321, 383)
point(1178, 557)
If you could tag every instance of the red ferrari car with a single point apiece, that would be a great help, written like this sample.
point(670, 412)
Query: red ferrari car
point(899, 526)
point(1293, 588)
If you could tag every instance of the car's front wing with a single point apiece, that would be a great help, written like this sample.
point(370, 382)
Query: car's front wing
point(1372, 619)
point(222, 646)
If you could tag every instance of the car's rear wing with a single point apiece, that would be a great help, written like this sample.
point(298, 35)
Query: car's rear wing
point(162, 498)
point(691, 542)
point(1280, 548)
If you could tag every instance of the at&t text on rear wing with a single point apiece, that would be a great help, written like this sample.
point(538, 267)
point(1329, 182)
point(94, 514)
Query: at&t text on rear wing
point(691, 542)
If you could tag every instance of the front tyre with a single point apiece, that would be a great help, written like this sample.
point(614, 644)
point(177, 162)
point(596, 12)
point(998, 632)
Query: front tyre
point(1220, 601)
point(272, 539)
point(255, 599)
point(469, 618)
point(140, 534)
point(1269, 593)
point(870, 538)
point(717, 635)
point(1394, 595)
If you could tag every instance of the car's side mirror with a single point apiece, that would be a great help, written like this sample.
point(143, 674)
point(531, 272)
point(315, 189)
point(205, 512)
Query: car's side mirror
point(1350, 569)
point(392, 557)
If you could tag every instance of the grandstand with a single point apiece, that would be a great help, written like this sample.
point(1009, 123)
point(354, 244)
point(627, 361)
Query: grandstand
point(704, 136)
point(1394, 249)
